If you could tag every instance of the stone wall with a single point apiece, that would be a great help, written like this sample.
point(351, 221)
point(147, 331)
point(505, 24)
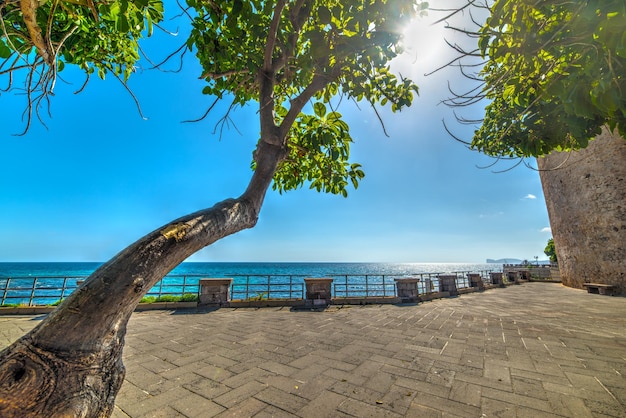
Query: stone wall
point(585, 193)
point(536, 272)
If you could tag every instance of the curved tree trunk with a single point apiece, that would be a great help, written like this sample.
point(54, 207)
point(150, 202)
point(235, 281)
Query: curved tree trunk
point(70, 365)
point(585, 193)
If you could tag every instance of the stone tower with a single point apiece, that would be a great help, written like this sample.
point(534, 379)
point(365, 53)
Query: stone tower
point(585, 193)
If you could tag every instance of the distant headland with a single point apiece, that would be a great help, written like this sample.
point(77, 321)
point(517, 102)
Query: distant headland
point(504, 261)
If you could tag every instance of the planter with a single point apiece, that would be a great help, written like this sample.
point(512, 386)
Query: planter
point(165, 306)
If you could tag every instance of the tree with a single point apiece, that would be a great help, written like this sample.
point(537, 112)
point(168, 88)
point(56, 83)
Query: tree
point(553, 74)
point(283, 55)
point(550, 251)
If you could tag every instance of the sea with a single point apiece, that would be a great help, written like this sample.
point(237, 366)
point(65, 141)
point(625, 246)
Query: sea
point(50, 281)
point(227, 269)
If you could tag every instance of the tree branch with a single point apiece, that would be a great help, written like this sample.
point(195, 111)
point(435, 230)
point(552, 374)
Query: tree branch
point(271, 36)
point(297, 104)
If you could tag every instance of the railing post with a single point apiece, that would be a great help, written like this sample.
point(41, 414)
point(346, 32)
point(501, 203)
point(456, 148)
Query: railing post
point(6, 290)
point(215, 291)
point(32, 293)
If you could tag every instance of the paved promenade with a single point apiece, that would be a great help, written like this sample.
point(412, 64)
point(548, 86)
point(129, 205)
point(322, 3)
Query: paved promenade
point(535, 350)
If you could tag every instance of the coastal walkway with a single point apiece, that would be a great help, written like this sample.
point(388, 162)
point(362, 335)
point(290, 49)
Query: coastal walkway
point(535, 350)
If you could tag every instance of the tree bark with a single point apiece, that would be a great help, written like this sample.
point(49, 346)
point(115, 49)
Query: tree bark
point(585, 194)
point(71, 363)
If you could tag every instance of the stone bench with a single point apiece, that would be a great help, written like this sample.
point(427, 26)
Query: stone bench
point(600, 288)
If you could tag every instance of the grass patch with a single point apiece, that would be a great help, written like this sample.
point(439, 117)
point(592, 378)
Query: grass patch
point(187, 297)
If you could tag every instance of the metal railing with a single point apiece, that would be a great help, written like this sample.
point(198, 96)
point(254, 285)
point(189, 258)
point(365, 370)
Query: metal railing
point(45, 290)
point(363, 286)
point(48, 290)
point(176, 285)
point(259, 287)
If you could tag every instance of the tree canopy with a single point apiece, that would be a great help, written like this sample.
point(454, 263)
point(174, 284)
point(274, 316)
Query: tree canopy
point(298, 59)
point(98, 37)
point(322, 52)
point(554, 74)
point(550, 251)
point(323, 49)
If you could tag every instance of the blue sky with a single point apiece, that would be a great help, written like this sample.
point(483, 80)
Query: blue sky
point(99, 177)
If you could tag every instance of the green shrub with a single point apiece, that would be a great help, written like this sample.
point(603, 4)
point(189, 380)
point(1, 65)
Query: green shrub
point(148, 299)
point(189, 297)
point(168, 298)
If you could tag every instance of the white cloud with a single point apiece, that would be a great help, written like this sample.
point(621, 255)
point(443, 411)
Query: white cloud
point(547, 229)
point(530, 196)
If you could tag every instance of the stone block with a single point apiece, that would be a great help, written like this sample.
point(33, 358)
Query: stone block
point(215, 291)
point(447, 283)
point(406, 289)
point(318, 291)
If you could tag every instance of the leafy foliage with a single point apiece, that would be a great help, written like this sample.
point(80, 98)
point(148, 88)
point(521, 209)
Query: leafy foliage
point(101, 36)
point(319, 148)
point(555, 74)
point(308, 53)
point(348, 43)
point(550, 251)
point(186, 297)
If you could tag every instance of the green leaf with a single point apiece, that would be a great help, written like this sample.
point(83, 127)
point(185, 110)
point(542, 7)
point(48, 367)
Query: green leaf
point(319, 109)
point(121, 23)
point(237, 7)
point(324, 15)
point(5, 51)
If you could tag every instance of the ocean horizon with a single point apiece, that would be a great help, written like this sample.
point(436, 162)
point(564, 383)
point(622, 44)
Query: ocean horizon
point(47, 282)
point(225, 269)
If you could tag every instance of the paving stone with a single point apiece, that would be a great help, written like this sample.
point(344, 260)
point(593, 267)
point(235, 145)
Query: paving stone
point(196, 406)
point(466, 393)
point(496, 408)
point(423, 387)
point(239, 394)
point(536, 350)
point(271, 411)
point(255, 373)
point(446, 406)
point(362, 409)
point(516, 399)
point(150, 406)
point(247, 408)
point(206, 388)
point(211, 371)
point(324, 405)
point(281, 399)
point(277, 368)
point(398, 399)
point(568, 406)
